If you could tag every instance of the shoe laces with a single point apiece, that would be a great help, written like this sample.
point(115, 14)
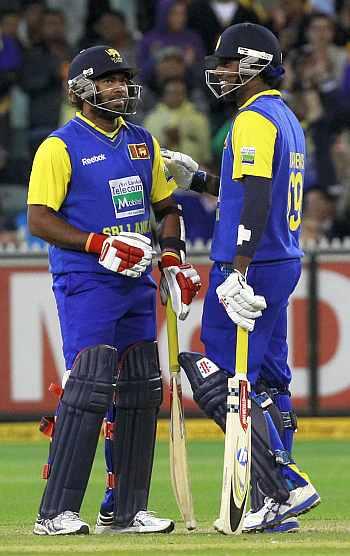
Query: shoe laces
point(71, 515)
point(145, 513)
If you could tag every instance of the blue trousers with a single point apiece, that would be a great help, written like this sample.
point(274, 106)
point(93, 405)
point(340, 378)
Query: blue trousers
point(268, 349)
point(101, 309)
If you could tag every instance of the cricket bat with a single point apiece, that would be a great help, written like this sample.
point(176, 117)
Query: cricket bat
point(179, 473)
point(237, 455)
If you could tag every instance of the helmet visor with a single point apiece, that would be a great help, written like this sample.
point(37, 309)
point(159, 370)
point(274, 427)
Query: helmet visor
point(222, 82)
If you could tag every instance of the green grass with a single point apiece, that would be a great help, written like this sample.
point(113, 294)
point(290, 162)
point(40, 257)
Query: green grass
point(325, 530)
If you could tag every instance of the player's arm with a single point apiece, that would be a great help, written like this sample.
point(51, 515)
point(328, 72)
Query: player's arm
point(253, 145)
point(187, 174)
point(179, 280)
point(48, 187)
point(128, 254)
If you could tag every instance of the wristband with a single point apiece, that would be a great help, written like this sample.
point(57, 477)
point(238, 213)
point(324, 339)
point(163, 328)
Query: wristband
point(199, 181)
point(94, 243)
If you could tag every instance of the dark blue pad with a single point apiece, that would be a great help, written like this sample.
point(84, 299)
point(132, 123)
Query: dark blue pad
point(209, 388)
point(87, 395)
point(138, 398)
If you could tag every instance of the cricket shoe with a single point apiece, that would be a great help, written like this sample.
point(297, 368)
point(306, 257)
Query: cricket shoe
point(143, 522)
point(66, 523)
point(272, 513)
point(289, 525)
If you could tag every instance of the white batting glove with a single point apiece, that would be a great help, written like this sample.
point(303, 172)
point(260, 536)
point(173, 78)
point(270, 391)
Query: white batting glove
point(127, 253)
point(238, 315)
point(239, 300)
point(180, 166)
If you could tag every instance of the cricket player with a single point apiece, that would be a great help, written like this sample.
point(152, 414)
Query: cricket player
point(92, 186)
point(256, 264)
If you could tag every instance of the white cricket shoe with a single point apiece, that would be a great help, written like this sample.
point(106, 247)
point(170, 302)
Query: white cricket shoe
point(104, 523)
point(300, 501)
point(66, 523)
point(289, 525)
point(143, 522)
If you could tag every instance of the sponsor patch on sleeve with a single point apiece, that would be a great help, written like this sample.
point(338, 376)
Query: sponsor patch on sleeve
point(248, 155)
point(138, 150)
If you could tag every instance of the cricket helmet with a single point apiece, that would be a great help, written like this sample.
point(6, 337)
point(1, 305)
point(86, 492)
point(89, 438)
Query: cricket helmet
point(94, 63)
point(257, 50)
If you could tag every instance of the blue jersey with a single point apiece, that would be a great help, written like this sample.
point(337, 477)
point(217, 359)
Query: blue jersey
point(110, 187)
point(265, 140)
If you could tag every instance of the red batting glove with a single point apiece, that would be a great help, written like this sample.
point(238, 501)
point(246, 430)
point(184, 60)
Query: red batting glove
point(180, 281)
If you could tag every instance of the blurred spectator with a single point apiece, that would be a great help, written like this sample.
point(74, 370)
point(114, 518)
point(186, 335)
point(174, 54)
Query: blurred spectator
point(288, 20)
point(170, 30)
point(42, 76)
point(10, 20)
point(111, 28)
point(75, 12)
point(211, 17)
point(10, 66)
point(319, 214)
point(318, 69)
point(343, 23)
point(30, 26)
point(146, 14)
point(170, 64)
point(178, 125)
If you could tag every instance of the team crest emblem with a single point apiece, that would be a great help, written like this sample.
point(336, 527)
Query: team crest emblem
point(139, 150)
point(115, 55)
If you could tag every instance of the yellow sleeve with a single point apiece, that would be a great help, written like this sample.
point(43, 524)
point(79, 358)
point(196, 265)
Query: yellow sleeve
point(51, 174)
point(162, 187)
point(253, 145)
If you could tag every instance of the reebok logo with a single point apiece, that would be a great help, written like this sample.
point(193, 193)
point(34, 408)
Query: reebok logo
point(93, 159)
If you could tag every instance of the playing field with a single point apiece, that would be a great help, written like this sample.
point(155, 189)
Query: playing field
point(325, 530)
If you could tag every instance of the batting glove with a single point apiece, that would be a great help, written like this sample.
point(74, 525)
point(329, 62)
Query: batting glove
point(180, 166)
point(127, 253)
point(239, 301)
point(179, 281)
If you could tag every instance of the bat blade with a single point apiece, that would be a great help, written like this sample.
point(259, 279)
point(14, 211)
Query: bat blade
point(237, 455)
point(179, 473)
point(178, 457)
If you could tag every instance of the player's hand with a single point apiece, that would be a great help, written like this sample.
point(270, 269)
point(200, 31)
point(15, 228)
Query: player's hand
point(239, 301)
point(180, 166)
point(127, 253)
point(179, 281)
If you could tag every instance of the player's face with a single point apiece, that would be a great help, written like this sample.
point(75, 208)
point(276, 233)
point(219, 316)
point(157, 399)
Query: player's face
point(227, 72)
point(112, 91)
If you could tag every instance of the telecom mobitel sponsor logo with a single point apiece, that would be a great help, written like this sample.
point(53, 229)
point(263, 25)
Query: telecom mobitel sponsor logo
point(93, 159)
point(128, 197)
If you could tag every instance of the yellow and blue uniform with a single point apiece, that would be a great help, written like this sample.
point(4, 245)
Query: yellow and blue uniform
point(265, 140)
point(105, 183)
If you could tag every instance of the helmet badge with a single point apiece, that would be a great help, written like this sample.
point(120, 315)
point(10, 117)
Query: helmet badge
point(115, 55)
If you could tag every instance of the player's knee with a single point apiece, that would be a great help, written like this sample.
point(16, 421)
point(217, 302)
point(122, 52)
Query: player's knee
point(90, 384)
point(139, 383)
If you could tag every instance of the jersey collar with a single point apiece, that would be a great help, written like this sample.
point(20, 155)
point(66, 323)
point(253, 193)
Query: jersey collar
point(269, 92)
point(109, 134)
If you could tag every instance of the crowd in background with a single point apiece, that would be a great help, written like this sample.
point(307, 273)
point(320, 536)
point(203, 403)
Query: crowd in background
point(167, 40)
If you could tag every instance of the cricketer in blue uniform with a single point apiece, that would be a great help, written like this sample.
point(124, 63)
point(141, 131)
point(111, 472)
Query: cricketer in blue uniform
point(92, 186)
point(255, 247)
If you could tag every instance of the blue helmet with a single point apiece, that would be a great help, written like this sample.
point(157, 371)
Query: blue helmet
point(254, 46)
point(95, 63)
